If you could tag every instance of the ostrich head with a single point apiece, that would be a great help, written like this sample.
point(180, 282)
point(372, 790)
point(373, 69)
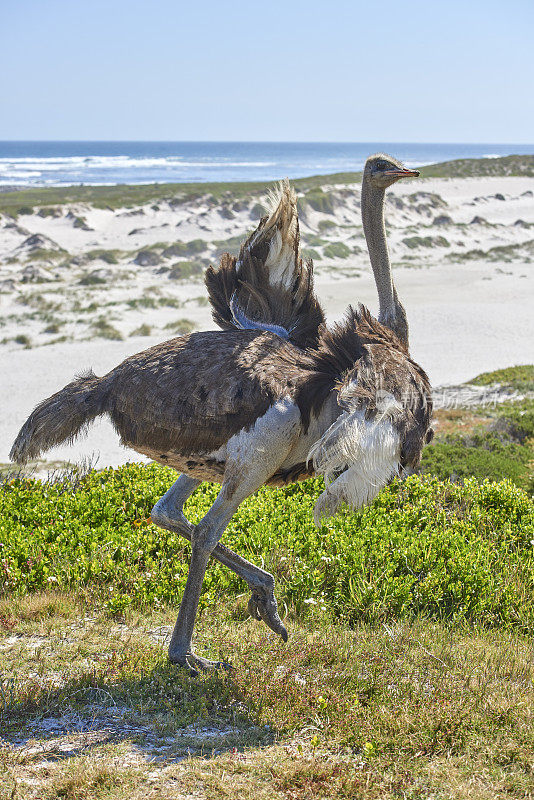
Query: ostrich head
point(381, 171)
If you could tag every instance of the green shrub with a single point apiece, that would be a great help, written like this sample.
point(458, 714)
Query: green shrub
point(503, 447)
point(425, 241)
point(314, 240)
point(325, 225)
point(91, 279)
point(483, 455)
point(184, 248)
point(143, 302)
point(309, 252)
point(81, 222)
point(336, 250)
point(520, 377)
point(46, 254)
point(103, 328)
point(53, 327)
point(257, 211)
point(520, 416)
point(23, 339)
point(50, 211)
point(424, 547)
point(142, 330)
point(108, 256)
point(319, 201)
point(185, 269)
point(180, 326)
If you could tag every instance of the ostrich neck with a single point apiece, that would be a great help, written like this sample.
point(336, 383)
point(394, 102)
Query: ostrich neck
point(375, 234)
point(391, 312)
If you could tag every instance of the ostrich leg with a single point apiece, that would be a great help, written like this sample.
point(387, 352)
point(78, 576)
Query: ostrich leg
point(253, 456)
point(168, 514)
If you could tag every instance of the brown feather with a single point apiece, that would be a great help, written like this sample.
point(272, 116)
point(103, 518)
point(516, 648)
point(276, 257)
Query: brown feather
point(247, 279)
point(61, 417)
point(362, 359)
point(191, 394)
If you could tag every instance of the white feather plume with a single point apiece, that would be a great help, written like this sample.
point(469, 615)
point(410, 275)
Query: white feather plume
point(357, 458)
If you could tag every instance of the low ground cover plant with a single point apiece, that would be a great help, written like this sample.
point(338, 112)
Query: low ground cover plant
point(500, 446)
point(424, 547)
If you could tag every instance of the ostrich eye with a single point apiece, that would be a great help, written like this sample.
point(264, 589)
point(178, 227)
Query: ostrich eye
point(380, 165)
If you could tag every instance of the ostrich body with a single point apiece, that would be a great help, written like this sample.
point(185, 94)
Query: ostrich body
point(256, 404)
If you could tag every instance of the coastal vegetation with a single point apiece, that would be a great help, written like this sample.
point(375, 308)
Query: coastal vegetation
point(407, 670)
point(492, 441)
point(26, 200)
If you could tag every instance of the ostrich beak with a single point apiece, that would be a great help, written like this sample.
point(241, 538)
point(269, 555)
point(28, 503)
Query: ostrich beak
point(401, 172)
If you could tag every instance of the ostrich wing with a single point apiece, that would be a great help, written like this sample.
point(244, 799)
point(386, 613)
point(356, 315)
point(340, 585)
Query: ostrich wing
point(269, 286)
point(192, 393)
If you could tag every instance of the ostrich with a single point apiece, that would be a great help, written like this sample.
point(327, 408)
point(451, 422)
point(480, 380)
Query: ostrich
point(249, 406)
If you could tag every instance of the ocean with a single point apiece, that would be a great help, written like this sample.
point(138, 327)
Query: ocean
point(108, 163)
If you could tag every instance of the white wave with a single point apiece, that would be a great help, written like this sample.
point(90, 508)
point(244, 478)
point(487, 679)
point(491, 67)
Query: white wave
point(76, 165)
point(219, 164)
point(21, 174)
point(41, 159)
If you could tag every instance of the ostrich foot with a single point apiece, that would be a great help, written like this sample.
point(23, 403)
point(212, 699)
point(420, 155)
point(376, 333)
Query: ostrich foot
point(193, 663)
point(205, 665)
point(263, 606)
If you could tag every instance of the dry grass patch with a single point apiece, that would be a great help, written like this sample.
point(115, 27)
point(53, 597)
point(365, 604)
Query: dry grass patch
point(90, 708)
point(450, 421)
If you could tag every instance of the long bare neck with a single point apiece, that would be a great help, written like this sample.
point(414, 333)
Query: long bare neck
point(391, 311)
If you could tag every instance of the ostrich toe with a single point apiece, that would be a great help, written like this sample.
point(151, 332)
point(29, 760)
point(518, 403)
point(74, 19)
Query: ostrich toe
point(263, 606)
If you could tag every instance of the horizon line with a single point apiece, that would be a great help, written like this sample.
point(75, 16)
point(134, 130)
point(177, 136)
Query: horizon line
point(254, 141)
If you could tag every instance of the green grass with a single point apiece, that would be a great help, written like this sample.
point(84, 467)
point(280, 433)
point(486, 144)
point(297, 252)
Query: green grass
point(311, 253)
point(81, 222)
point(54, 326)
point(313, 240)
point(152, 302)
point(183, 325)
point(326, 225)
point(180, 249)
point(44, 254)
point(91, 279)
point(319, 201)
point(142, 330)
point(22, 338)
point(184, 270)
point(408, 671)
point(108, 256)
point(49, 211)
point(481, 167)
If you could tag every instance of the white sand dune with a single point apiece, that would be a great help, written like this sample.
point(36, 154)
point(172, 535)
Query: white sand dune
point(469, 305)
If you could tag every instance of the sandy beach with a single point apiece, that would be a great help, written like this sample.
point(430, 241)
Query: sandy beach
point(82, 286)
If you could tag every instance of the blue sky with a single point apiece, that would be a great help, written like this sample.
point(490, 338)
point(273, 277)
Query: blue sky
point(454, 71)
